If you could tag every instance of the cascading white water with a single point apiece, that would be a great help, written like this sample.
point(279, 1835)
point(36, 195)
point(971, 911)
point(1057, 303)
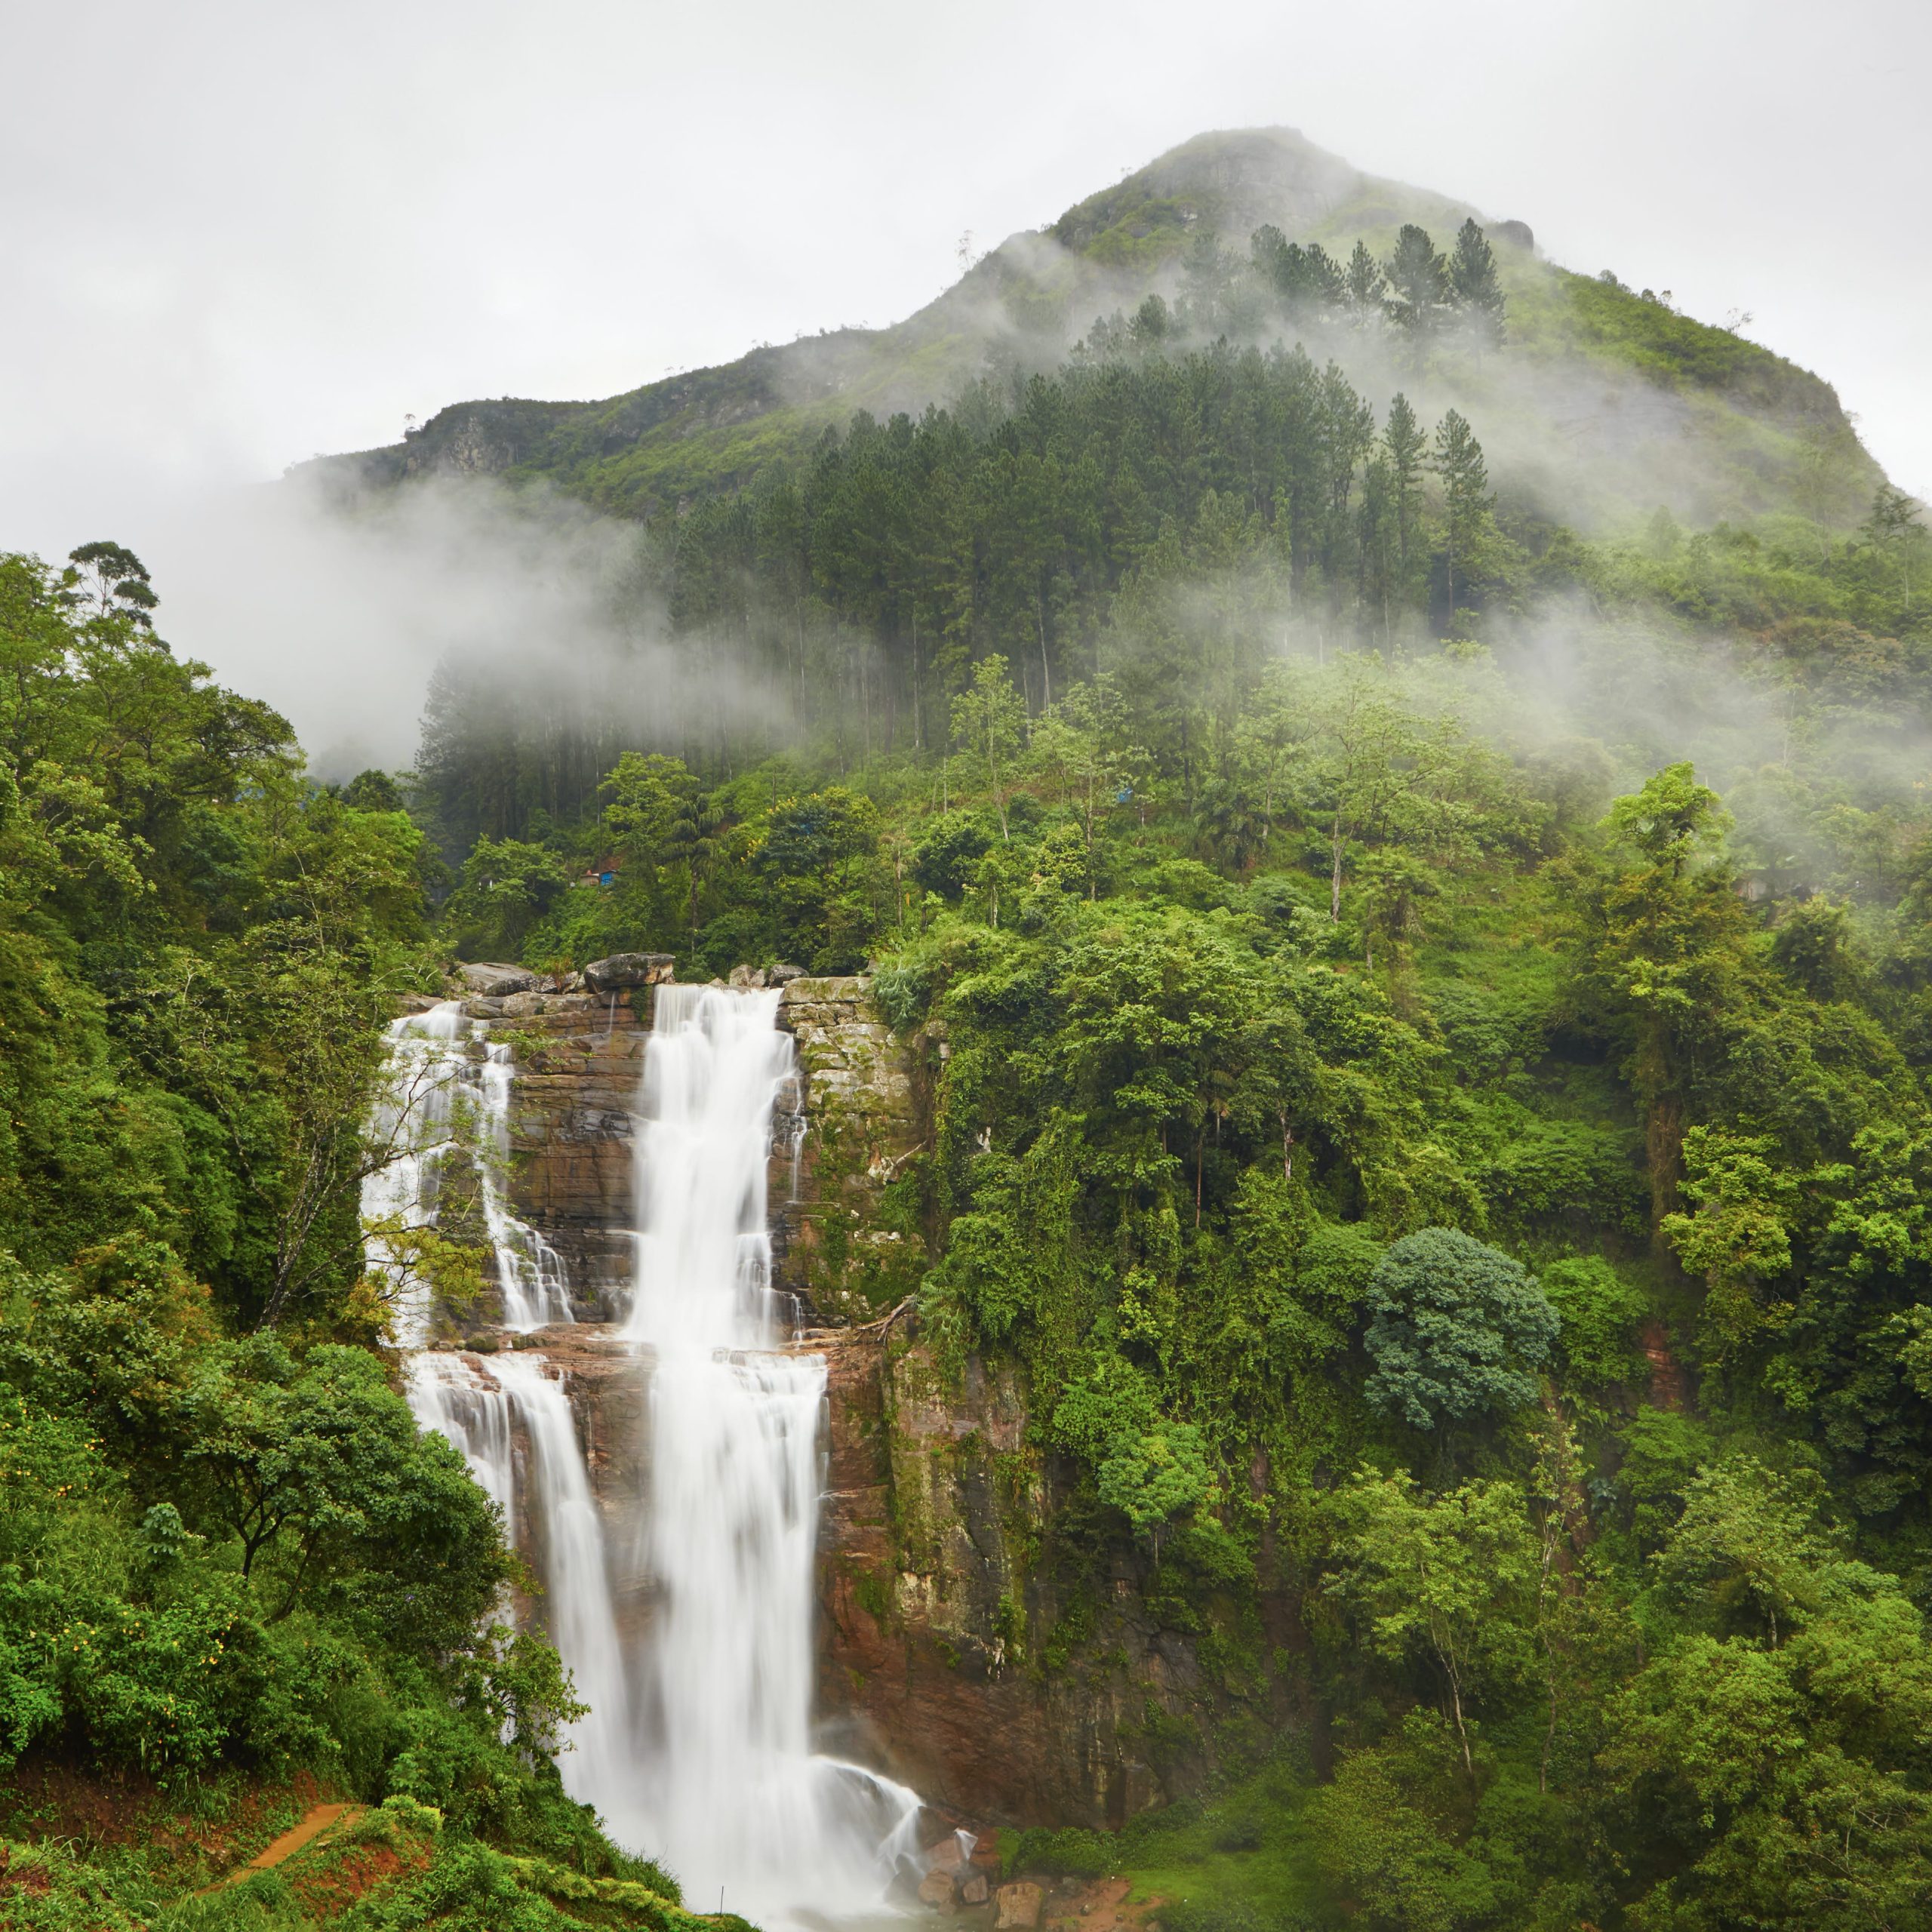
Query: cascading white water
point(437, 1096)
point(698, 1749)
point(731, 1793)
point(529, 1271)
point(483, 1408)
point(448, 1396)
point(410, 1122)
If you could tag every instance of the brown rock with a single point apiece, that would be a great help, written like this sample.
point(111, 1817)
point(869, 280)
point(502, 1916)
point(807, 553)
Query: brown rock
point(949, 1855)
point(973, 1888)
point(1019, 1906)
point(578, 1058)
point(940, 1889)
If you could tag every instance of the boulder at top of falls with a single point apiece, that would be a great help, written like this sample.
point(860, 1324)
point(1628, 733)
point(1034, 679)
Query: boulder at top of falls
point(622, 970)
point(491, 979)
point(782, 974)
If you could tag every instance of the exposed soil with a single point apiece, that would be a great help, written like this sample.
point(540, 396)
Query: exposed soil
point(319, 1819)
point(99, 1810)
point(353, 1873)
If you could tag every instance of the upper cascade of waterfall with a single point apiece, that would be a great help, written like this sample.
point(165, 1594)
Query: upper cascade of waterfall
point(714, 1066)
point(444, 1095)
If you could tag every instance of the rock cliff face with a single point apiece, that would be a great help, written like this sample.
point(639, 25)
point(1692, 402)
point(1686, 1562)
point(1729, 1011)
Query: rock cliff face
point(956, 1650)
point(578, 1058)
point(840, 1143)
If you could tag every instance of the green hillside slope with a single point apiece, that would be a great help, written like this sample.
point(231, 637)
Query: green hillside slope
point(1595, 377)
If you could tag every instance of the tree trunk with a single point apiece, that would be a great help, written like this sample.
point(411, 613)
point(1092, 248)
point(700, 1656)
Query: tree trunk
point(1046, 674)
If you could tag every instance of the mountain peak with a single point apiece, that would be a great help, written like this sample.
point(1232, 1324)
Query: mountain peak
point(1231, 181)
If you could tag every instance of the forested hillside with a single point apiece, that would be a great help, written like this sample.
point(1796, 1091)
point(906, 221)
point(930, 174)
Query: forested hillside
point(1434, 1025)
point(233, 1572)
point(1421, 950)
point(1612, 401)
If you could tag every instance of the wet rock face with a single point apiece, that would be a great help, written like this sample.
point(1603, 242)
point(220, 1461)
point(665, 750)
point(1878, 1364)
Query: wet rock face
point(578, 1059)
point(950, 1651)
point(841, 1133)
point(838, 1141)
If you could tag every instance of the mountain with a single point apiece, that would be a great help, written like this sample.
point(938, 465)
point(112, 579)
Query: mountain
point(1607, 403)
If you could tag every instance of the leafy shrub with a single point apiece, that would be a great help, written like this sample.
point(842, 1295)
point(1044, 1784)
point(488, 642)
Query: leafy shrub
point(1601, 1312)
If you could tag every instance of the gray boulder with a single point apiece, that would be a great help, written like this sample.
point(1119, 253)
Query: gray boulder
point(622, 970)
point(491, 979)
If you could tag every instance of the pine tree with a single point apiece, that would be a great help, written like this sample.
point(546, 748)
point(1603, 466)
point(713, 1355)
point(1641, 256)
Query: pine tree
point(1205, 276)
point(1419, 279)
point(1301, 277)
point(1458, 460)
point(1472, 276)
point(1365, 282)
point(1407, 446)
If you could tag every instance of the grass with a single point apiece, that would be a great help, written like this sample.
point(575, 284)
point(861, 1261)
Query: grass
point(1244, 1858)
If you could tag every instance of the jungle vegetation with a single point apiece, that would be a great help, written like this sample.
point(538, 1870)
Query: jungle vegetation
point(228, 1559)
point(1436, 1009)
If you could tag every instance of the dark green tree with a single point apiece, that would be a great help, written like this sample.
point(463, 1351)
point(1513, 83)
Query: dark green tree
point(1366, 282)
point(1473, 280)
point(1457, 1330)
point(1468, 524)
point(1418, 282)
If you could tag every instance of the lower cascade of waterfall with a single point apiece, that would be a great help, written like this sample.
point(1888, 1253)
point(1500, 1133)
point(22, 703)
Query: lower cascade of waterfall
point(697, 1746)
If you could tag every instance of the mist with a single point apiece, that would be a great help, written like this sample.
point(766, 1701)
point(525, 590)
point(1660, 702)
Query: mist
point(338, 611)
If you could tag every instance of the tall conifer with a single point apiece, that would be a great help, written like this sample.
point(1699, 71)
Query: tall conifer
point(1472, 276)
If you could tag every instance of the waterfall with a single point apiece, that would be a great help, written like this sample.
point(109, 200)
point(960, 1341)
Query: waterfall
point(486, 1407)
point(446, 1089)
point(411, 1121)
point(448, 1396)
point(731, 1793)
point(697, 1746)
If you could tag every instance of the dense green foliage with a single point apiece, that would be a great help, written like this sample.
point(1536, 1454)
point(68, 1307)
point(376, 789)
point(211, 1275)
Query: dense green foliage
point(225, 1547)
point(1423, 1020)
point(1440, 1124)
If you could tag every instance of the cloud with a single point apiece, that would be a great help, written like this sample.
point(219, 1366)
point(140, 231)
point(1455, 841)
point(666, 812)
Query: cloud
point(338, 611)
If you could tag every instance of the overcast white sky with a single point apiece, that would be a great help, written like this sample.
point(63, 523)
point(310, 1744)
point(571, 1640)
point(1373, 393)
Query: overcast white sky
point(239, 234)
